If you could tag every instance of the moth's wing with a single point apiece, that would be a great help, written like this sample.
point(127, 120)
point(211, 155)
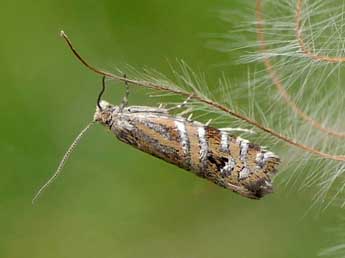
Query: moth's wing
point(243, 191)
point(253, 166)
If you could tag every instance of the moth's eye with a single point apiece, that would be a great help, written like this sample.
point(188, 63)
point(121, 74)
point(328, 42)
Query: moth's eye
point(109, 107)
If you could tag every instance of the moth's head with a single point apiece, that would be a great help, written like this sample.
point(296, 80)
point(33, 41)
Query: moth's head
point(104, 112)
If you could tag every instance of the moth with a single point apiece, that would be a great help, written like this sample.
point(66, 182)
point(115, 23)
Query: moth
point(216, 155)
point(211, 153)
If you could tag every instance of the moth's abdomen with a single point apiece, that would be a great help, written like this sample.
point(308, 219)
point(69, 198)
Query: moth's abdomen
point(213, 154)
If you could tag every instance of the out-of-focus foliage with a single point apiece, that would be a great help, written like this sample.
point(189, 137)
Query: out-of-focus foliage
point(113, 201)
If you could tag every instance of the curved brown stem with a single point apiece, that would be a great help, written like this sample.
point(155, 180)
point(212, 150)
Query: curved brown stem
point(304, 49)
point(275, 77)
point(206, 101)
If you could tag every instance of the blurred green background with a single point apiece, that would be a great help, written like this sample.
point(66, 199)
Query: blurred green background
point(112, 200)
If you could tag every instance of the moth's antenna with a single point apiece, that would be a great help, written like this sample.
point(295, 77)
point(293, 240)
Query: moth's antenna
point(101, 93)
point(62, 162)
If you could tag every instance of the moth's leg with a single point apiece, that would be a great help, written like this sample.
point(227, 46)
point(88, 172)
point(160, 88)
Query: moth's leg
point(144, 109)
point(183, 104)
point(209, 122)
point(161, 105)
point(237, 129)
point(124, 102)
point(186, 111)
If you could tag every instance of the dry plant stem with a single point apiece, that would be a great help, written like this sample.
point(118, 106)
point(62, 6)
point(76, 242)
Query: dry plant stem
point(275, 77)
point(206, 101)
